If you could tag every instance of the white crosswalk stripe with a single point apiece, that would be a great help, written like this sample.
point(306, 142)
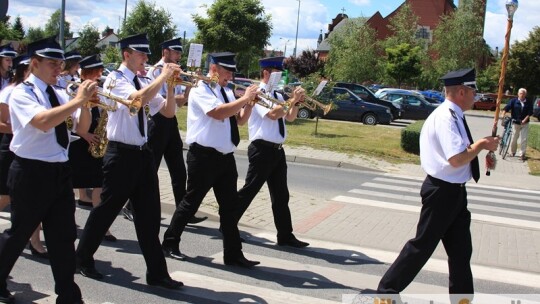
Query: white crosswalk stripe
point(507, 206)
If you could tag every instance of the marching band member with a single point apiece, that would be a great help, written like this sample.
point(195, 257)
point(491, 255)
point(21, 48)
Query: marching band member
point(128, 166)
point(212, 135)
point(7, 53)
point(38, 111)
point(87, 171)
point(267, 161)
point(70, 71)
point(163, 135)
point(22, 70)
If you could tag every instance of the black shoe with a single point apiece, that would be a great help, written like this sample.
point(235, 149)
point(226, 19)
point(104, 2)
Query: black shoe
point(109, 238)
point(90, 272)
point(292, 242)
point(173, 253)
point(164, 282)
point(35, 252)
point(128, 214)
point(84, 203)
point(195, 219)
point(6, 297)
point(239, 261)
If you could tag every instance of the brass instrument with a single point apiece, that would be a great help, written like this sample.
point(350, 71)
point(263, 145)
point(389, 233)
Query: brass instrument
point(98, 150)
point(312, 103)
point(133, 105)
point(262, 96)
point(193, 77)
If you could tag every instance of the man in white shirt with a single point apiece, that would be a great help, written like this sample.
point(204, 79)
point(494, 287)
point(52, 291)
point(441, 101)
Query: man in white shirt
point(449, 156)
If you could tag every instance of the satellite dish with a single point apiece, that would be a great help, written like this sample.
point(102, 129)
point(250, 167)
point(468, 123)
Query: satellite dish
point(3, 8)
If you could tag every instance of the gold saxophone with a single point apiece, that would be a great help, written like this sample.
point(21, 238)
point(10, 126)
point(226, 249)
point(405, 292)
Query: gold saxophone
point(98, 150)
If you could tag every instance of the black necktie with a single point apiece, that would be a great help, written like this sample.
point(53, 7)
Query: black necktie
point(61, 129)
point(281, 124)
point(235, 135)
point(475, 167)
point(140, 114)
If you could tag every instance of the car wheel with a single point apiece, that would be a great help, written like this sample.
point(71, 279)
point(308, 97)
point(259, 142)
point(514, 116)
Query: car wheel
point(369, 119)
point(493, 109)
point(304, 113)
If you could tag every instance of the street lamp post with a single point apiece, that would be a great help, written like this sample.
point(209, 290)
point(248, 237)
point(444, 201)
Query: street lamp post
point(297, 21)
point(511, 7)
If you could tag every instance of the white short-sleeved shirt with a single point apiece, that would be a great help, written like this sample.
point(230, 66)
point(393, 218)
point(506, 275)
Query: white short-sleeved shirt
point(153, 73)
point(27, 100)
point(443, 136)
point(5, 95)
point(260, 126)
point(203, 129)
point(121, 126)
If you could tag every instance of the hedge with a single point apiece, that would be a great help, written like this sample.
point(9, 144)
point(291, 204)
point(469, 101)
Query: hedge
point(410, 137)
point(533, 139)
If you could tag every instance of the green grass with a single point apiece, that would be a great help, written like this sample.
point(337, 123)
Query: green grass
point(350, 138)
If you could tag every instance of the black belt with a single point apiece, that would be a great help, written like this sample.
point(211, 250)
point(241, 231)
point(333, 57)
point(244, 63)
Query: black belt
point(268, 144)
point(117, 144)
point(440, 182)
point(196, 146)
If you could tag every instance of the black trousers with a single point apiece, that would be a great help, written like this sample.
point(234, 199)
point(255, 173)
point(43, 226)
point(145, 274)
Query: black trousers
point(268, 164)
point(42, 192)
point(444, 216)
point(208, 168)
point(128, 174)
point(165, 142)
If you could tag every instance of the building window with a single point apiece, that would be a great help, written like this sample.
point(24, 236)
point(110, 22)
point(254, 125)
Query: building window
point(423, 33)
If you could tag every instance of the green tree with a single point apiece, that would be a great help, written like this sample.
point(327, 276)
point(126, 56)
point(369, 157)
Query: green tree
point(6, 32)
point(239, 26)
point(156, 22)
point(403, 27)
point(88, 37)
point(33, 34)
point(458, 39)
point(488, 79)
point(111, 55)
point(17, 28)
point(403, 62)
point(353, 52)
point(524, 63)
point(52, 28)
point(305, 64)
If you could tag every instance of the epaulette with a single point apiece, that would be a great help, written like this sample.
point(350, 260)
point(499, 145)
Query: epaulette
point(144, 77)
point(27, 83)
point(119, 72)
point(58, 87)
point(453, 114)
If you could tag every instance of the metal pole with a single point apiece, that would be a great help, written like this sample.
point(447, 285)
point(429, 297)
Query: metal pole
point(297, 21)
point(62, 18)
point(125, 12)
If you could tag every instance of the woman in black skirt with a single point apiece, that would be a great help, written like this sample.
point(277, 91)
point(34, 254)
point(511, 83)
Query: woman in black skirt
point(21, 65)
point(87, 169)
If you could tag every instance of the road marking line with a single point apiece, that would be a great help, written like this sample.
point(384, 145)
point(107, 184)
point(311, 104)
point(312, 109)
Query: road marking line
point(416, 209)
point(227, 291)
point(480, 272)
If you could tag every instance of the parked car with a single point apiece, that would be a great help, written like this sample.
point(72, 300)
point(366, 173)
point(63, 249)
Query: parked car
point(413, 105)
point(485, 103)
point(433, 95)
point(536, 110)
point(368, 96)
point(239, 92)
point(349, 107)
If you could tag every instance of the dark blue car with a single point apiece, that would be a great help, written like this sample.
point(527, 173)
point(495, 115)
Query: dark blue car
point(348, 106)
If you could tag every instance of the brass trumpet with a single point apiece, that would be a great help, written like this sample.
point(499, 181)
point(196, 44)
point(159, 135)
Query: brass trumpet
point(133, 105)
point(312, 103)
point(194, 77)
point(262, 96)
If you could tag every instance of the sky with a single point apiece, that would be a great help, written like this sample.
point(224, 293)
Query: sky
point(294, 21)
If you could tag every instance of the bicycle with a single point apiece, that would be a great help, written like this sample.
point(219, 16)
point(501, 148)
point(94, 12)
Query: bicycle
point(506, 137)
